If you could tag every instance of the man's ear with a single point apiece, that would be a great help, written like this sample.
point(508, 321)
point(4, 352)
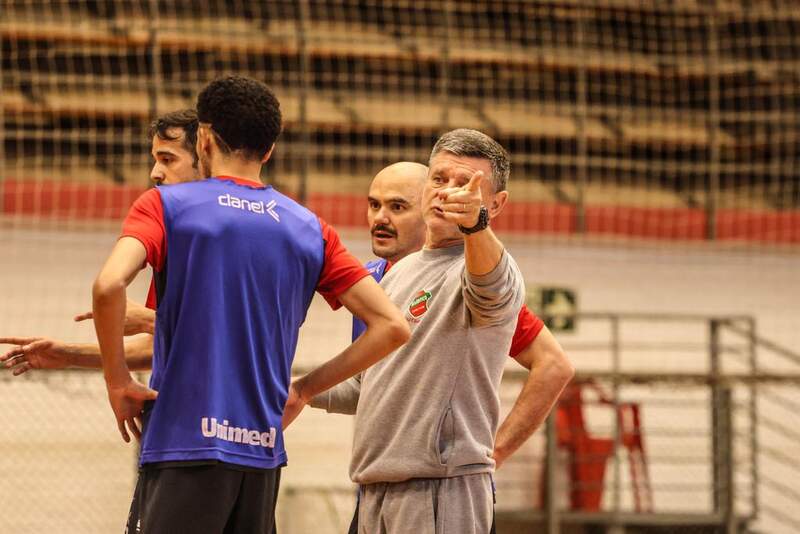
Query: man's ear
point(204, 140)
point(268, 154)
point(498, 203)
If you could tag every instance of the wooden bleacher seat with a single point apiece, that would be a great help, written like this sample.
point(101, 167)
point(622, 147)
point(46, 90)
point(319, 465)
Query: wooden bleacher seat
point(542, 119)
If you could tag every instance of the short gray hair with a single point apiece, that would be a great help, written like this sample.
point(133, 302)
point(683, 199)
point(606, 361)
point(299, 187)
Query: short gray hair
point(474, 144)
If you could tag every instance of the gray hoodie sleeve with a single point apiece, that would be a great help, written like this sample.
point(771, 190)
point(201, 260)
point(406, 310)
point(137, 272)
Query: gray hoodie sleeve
point(341, 398)
point(494, 297)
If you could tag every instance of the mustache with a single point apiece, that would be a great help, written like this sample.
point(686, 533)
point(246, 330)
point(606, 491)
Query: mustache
point(383, 228)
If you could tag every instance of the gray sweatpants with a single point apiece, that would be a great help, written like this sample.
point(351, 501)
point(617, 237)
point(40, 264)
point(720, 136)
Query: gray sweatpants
point(457, 505)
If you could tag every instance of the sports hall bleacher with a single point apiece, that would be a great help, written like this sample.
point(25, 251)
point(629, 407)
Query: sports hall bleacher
point(668, 121)
point(620, 115)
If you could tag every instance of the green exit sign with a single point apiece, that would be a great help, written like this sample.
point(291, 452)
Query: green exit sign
point(556, 306)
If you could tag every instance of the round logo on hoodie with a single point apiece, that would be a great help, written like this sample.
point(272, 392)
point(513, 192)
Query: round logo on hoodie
point(419, 304)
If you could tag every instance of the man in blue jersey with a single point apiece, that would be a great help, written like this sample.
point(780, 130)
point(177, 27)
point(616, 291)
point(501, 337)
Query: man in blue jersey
point(237, 264)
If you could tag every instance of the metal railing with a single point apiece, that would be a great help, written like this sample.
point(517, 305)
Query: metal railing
point(710, 470)
point(738, 380)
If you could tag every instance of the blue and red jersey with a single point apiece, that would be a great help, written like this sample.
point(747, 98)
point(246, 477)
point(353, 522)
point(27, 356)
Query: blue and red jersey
point(237, 265)
point(528, 324)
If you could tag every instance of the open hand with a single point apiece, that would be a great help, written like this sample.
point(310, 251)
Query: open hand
point(34, 353)
point(127, 402)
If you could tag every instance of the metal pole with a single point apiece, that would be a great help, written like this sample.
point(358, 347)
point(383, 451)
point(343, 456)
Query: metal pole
point(156, 69)
point(726, 455)
point(753, 421)
point(580, 126)
point(722, 434)
point(714, 371)
point(444, 82)
point(3, 159)
point(551, 511)
point(774, 194)
point(616, 368)
point(712, 127)
point(305, 136)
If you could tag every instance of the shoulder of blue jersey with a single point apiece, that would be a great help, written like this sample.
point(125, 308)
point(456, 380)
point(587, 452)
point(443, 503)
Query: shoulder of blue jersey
point(376, 268)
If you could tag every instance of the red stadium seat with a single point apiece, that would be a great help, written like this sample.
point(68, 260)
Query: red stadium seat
point(589, 455)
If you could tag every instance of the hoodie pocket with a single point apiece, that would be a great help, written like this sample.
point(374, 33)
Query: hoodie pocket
point(445, 436)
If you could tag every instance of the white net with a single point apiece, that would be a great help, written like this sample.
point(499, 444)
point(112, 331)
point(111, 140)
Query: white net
point(655, 169)
point(675, 121)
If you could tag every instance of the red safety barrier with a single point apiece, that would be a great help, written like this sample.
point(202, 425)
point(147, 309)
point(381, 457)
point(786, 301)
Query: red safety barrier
point(67, 200)
point(647, 223)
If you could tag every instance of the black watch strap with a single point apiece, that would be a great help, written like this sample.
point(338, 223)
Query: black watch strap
point(483, 223)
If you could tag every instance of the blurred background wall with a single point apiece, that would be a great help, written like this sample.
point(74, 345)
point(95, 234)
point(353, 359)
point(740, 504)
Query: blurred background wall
point(655, 214)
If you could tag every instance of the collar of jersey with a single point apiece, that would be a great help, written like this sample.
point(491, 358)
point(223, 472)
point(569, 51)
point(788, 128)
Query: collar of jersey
point(241, 181)
point(454, 250)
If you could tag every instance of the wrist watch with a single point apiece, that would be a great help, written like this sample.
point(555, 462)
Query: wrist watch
point(483, 223)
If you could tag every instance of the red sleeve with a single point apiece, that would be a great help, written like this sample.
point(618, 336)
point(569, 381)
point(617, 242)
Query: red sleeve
point(528, 327)
point(341, 269)
point(145, 222)
point(151, 295)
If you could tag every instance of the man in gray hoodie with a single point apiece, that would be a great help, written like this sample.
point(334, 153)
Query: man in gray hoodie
point(428, 413)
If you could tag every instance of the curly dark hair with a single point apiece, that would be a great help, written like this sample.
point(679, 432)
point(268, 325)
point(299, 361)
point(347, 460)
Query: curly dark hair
point(243, 113)
point(185, 119)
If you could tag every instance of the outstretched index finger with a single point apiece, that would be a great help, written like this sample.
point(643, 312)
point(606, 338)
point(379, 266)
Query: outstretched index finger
point(83, 317)
point(475, 181)
point(16, 340)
